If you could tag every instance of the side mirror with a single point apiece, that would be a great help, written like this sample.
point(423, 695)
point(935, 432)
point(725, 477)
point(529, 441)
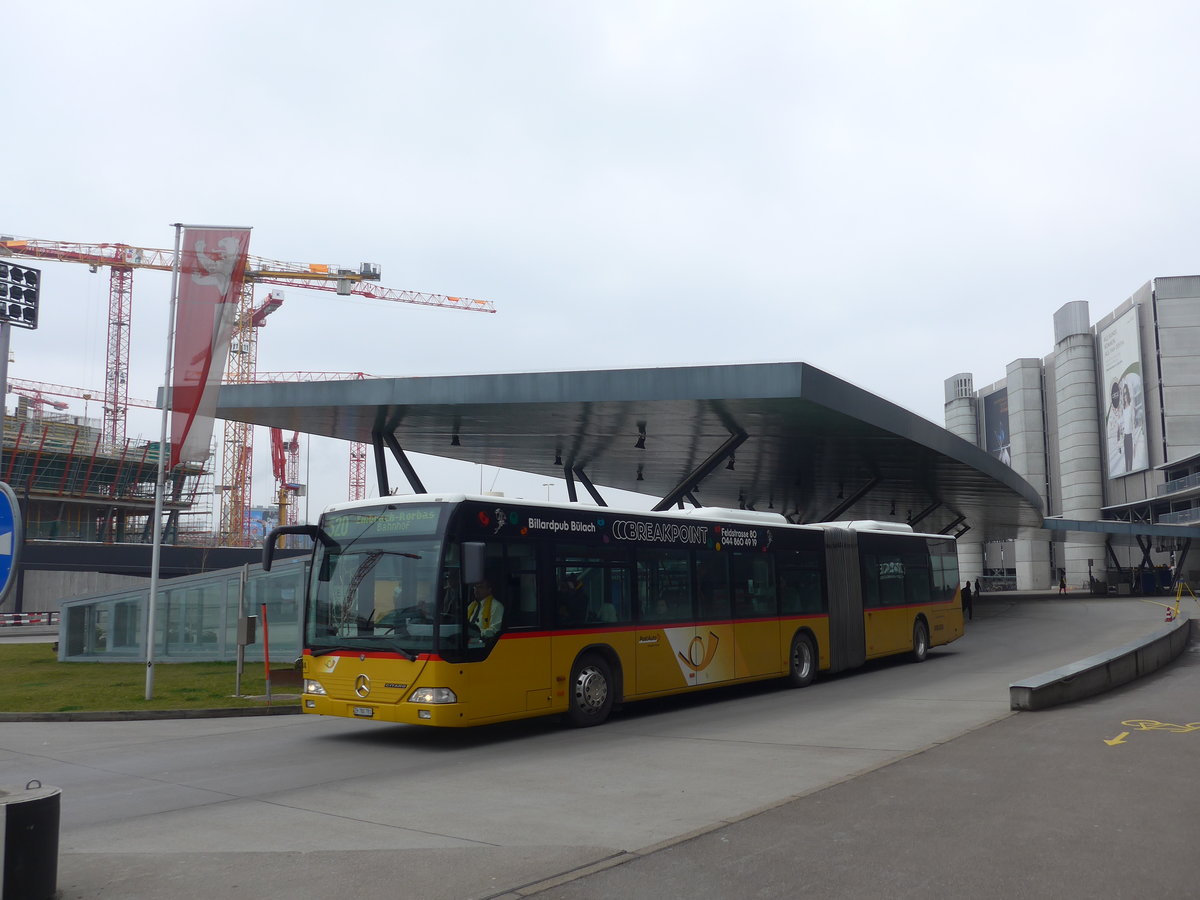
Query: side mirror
point(311, 531)
point(474, 554)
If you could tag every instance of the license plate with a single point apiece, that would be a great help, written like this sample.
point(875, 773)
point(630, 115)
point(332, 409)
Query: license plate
point(364, 711)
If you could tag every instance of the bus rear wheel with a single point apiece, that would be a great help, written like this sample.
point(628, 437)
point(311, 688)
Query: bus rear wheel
point(802, 662)
point(591, 691)
point(920, 648)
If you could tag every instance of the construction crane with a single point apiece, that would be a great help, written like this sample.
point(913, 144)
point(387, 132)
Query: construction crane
point(357, 486)
point(122, 259)
point(237, 449)
point(285, 464)
point(36, 399)
point(63, 390)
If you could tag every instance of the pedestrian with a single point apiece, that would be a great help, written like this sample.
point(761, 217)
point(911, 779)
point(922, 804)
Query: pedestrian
point(1062, 585)
point(977, 590)
point(967, 605)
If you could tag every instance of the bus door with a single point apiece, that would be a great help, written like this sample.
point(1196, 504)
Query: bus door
point(756, 608)
point(593, 591)
point(664, 619)
point(515, 676)
point(722, 647)
point(847, 624)
point(896, 582)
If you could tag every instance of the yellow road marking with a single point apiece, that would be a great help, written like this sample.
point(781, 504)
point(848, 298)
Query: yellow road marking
point(1151, 725)
point(1154, 725)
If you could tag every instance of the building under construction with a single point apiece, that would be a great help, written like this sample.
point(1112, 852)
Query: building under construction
point(77, 486)
point(88, 505)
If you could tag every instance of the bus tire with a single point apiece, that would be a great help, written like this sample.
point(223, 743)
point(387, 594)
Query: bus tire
point(920, 648)
point(592, 691)
point(802, 661)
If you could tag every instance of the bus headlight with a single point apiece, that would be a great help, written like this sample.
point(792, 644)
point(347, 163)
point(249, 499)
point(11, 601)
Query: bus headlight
point(433, 695)
point(313, 687)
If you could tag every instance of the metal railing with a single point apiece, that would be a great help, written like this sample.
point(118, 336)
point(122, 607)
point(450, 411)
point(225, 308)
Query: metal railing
point(1180, 517)
point(1178, 484)
point(29, 618)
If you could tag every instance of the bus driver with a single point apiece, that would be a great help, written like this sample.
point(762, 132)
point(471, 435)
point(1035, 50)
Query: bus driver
point(485, 612)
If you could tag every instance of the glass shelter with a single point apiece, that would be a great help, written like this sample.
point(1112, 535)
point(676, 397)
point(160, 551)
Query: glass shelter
point(195, 618)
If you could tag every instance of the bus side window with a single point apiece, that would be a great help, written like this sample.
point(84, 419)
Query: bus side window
point(512, 572)
point(712, 579)
point(753, 585)
point(521, 585)
point(616, 604)
point(870, 581)
point(917, 579)
point(570, 601)
point(663, 585)
point(800, 589)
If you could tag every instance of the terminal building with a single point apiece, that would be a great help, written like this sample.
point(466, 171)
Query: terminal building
point(1106, 428)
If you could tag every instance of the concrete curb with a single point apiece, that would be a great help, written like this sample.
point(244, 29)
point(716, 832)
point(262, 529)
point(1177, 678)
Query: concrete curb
point(141, 715)
point(1102, 672)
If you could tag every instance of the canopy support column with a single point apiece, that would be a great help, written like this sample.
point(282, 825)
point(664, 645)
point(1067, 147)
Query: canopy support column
point(1113, 557)
point(936, 504)
point(953, 525)
point(1146, 562)
point(587, 483)
point(381, 475)
point(1181, 559)
point(414, 480)
point(834, 514)
point(701, 472)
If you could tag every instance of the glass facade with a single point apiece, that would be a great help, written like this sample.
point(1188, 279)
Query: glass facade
point(195, 619)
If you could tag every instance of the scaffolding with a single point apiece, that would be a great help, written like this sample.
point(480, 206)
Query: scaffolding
point(77, 484)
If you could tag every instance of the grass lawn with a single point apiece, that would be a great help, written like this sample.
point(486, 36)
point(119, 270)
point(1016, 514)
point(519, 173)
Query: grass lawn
point(37, 682)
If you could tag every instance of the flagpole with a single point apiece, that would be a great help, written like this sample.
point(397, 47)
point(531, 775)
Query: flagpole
point(160, 482)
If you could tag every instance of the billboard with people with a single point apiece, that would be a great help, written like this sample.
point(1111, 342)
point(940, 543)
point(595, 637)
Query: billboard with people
point(995, 424)
point(1122, 397)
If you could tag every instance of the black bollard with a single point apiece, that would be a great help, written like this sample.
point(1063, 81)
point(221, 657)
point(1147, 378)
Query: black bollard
point(29, 849)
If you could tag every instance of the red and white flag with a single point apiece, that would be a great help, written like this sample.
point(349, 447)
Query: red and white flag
point(212, 266)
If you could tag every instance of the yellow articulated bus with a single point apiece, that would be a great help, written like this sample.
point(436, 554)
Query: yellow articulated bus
point(461, 610)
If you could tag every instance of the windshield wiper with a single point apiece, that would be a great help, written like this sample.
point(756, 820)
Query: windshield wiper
point(334, 649)
point(407, 654)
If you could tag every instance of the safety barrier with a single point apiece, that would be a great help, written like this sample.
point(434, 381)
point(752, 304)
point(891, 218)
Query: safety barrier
point(1104, 671)
point(29, 618)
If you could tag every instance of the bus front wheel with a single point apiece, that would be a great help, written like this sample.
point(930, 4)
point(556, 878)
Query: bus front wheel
point(920, 648)
point(802, 663)
point(591, 691)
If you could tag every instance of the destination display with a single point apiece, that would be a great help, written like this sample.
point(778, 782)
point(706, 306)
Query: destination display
point(622, 528)
point(402, 521)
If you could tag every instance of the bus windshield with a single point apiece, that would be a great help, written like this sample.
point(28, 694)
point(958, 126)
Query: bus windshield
point(374, 581)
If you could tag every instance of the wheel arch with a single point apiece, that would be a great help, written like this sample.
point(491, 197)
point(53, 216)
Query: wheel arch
point(610, 656)
point(805, 629)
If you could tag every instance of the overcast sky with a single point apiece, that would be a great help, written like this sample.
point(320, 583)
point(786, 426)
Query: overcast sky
point(891, 191)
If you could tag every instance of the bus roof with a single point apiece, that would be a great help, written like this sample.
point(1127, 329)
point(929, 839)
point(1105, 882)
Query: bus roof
point(712, 513)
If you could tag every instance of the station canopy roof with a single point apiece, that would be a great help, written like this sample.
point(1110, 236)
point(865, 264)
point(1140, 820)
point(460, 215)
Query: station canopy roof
point(783, 437)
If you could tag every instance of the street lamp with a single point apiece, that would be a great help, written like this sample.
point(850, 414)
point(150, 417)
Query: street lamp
point(547, 485)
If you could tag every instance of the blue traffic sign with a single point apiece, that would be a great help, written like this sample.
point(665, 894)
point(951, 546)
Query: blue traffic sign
point(10, 539)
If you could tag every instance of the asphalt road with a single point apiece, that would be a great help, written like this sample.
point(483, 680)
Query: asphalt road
point(1097, 799)
point(899, 778)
